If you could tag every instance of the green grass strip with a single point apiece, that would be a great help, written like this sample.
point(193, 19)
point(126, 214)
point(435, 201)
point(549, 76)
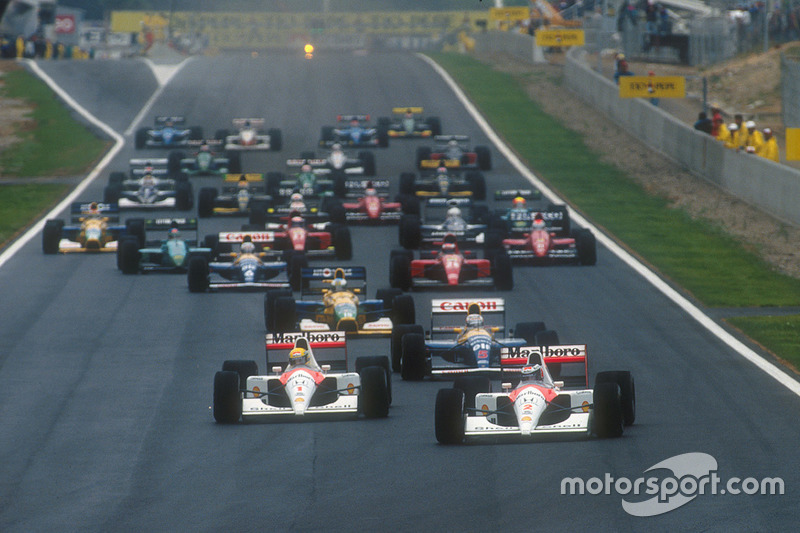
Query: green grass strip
point(714, 267)
point(21, 204)
point(779, 334)
point(56, 145)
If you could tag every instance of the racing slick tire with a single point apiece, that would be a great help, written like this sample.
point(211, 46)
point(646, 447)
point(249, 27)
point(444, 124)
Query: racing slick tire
point(275, 139)
point(128, 256)
point(409, 204)
point(258, 213)
point(373, 401)
point(403, 311)
point(479, 214)
point(413, 365)
point(196, 133)
point(339, 185)
point(297, 261)
point(566, 222)
point(586, 244)
point(234, 162)
point(141, 138)
point(400, 272)
point(222, 135)
point(205, 202)
point(410, 232)
point(627, 389)
point(337, 212)
point(528, 331)
point(367, 162)
point(112, 193)
point(274, 183)
point(423, 154)
point(477, 184)
point(135, 228)
point(212, 242)
point(243, 367)
point(435, 124)
point(227, 398)
point(326, 135)
point(342, 243)
point(184, 199)
point(285, 314)
point(197, 275)
point(472, 385)
point(607, 418)
point(484, 157)
point(383, 136)
point(494, 240)
point(51, 236)
point(396, 346)
point(387, 295)
point(307, 154)
point(270, 297)
point(449, 416)
point(174, 162)
point(407, 180)
point(116, 178)
point(502, 271)
point(377, 360)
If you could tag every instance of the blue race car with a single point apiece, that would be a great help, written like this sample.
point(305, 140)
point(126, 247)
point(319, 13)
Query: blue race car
point(353, 131)
point(167, 132)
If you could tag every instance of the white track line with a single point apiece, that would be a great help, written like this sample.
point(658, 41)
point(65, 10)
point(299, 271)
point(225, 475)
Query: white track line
point(772, 370)
point(163, 75)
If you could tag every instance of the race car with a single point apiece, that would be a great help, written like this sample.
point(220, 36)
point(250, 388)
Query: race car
point(343, 306)
point(352, 130)
point(94, 227)
point(441, 216)
point(455, 151)
point(373, 207)
point(169, 255)
point(241, 194)
point(146, 191)
point(249, 268)
point(517, 219)
point(450, 268)
point(540, 246)
point(204, 161)
point(541, 404)
point(309, 182)
point(251, 136)
point(441, 181)
point(317, 240)
point(308, 378)
point(465, 338)
point(407, 123)
point(167, 132)
point(338, 161)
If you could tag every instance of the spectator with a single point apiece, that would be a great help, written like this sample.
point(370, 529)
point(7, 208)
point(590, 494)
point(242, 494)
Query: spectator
point(754, 139)
point(741, 131)
point(622, 70)
point(769, 149)
point(716, 119)
point(651, 89)
point(703, 123)
point(730, 141)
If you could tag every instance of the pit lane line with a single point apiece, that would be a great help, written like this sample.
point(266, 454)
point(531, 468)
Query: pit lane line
point(651, 277)
point(119, 143)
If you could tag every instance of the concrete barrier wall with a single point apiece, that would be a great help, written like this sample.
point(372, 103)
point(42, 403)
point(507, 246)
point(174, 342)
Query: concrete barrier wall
point(769, 186)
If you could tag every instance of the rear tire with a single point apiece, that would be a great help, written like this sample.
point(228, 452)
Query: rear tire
point(400, 272)
point(586, 244)
point(275, 139)
point(528, 331)
point(502, 271)
point(270, 297)
point(128, 256)
point(403, 311)
point(484, 157)
point(198, 275)
point(374, 398)
point(410, 232)
point(285, 315)
point(396, 342)
point(342, 243)
point(413, 365)
point(205, 202)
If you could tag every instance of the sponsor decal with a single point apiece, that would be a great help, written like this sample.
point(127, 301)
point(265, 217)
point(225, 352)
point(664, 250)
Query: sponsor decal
point(461, 305)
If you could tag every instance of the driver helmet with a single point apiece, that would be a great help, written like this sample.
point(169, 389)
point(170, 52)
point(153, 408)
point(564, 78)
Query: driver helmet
point(336, 147)
point(174, 233)
point(296, 197)
point(532, 372)
point(298, 356)
point(93, 207)
point(248, 247)
point(246, 123)
point(204, 148)
point(371, 192)
point(474, 321)
point(305, 168)
point(441, 169)
point(242, 182)
point(454, 212)
point(449, 247)
point(354, 122)
point(538, 221)
point(518, 202)
point(297, 222)
point(452, 143)
point(339, 284)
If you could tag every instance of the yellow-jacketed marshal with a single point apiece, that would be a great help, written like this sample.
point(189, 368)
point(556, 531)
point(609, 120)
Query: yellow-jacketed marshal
point(652, 87)
point(559, 37)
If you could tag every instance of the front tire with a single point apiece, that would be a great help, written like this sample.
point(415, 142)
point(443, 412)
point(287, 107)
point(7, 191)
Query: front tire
point(227, 397)
point(449, 416)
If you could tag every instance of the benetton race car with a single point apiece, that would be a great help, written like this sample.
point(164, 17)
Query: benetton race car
point(90, 230)
point(241, 194)
point(464, 339)
point(343, 306)
point(450, 268)
point(407, 123)
point(169, 255)
point(337, 160)
point(205, 161)
point(250, 136)
point(539, 404)
point(322, 239)
point(352, 130)
point(442, 216)
point(146, 191)
point(455, 152)
point(168, 132)
point(249, 268)
point(308, 377)
point(444, 182)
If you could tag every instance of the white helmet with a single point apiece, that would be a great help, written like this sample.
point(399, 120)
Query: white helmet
point(296, 197)
point(248, 247)
point(474, 321)
point(339, 284)
point(453, 212)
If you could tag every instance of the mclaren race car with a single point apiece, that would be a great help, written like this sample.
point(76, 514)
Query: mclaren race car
point(251, 136)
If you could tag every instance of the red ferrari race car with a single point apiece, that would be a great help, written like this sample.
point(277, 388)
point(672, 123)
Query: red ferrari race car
point(373, 207)
point(317, 240)
point(541, 245)
point(450, 268)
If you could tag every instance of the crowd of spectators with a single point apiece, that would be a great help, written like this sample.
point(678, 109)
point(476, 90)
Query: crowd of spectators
point(37, 47)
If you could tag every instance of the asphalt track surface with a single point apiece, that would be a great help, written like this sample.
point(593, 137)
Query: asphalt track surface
point(106, 379)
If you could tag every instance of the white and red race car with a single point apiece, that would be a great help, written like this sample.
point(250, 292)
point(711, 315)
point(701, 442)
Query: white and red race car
point(551, 397)
point(251, 136)
point(319, 385)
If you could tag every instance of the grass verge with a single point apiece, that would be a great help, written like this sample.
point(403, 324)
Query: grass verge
point(715, 268)
point(20, 204)
point(779, 334)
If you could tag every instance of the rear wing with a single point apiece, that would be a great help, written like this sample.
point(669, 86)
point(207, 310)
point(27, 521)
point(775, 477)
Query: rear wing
point(448, 202)
point(165, 224)
point(510, 194)
point(254, 122)
point(148, 162)
point(317, 279)
point(299, 162)
point(328, 347)
point(358, 186)
point(447, 138)
point(82, 209)
point(348, 118)
point(565, 362)
point(435, 163)
point(235, 237)
point(448, 315)
point(250, 178)
point(404, 110)
point(201, 142)
point(176, 120)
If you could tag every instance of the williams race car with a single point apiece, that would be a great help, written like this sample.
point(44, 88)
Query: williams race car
point(250, 136)
point(540, 404)
point(94, 227)
point(352, 130)
point(450, 268)
point(343, 306)
point(408, 123)
point(454, 150)
point(169, 255)
point(168, 132)
point(308, 377)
